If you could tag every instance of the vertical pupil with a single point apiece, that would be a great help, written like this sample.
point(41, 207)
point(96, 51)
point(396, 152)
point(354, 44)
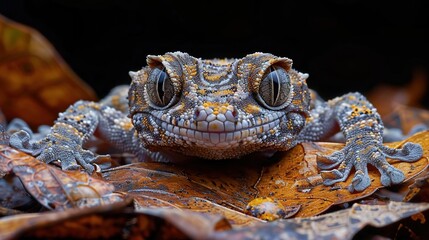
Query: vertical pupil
point(160, 85)
point(275, 83)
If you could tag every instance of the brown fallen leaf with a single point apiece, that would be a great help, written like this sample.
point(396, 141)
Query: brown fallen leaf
point(193, 224)
point(82, 223)
point(14, 196)
point(2, 120)
point(154, 185)
point(52, 187)
point(418, 191)
point(386, 98)
point(113, 221)
point(406, 118)
point(121, 221)
point(343, 224)
point(36, 83)
point(292, 179)
point(298, 182)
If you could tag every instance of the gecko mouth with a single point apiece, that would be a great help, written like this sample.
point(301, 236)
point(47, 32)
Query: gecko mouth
point(220, 135)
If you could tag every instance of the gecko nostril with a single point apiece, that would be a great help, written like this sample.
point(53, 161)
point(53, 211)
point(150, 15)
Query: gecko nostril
point(200, 114)
point(234, 112)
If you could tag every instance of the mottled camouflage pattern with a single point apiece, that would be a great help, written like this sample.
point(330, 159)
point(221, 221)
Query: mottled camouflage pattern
point(215, 109)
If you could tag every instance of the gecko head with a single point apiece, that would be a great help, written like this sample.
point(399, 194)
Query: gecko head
point(218, 108)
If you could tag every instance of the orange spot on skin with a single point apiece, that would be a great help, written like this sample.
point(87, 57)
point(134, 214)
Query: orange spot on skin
point(218, 107)
point(191, 69)
point(223, 61)
point(351, 97)
point(297, 102)
point(80, 107)
point(252, 109)
point(127, 126)
point(290, 124)
point(201, 91)
point(359, 110)
point(168, 58)
point(213, 77)
point(115, 101)
point(223, 92)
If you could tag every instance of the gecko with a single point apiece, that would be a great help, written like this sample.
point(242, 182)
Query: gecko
point(222, 108)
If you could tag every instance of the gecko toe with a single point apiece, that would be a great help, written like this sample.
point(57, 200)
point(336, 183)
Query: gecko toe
point(330, 161)
point(72, 166)
point(409, 152)
point(21, 141)
point(331, 177)
point(413, 151)
point(391, 175)
point(334, 176)
point(360, 181)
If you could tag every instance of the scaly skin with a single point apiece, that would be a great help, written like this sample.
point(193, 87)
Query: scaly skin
point(221, 109)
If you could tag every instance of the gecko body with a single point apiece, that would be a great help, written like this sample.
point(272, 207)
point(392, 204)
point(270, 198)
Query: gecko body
point(223, 109)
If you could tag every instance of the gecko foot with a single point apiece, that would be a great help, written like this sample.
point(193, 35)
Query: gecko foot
point(51, 148)
point(359, 156)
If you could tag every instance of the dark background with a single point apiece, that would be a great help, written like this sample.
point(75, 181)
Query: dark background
point(347, 45)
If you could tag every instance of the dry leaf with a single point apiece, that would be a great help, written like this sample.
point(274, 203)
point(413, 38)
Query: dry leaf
point(406, 118)
point(121, 221)
point(36, 82)
point(343, 224)
point(115, 221)
point(156, 185)
point(14, 196)
point(52, 187)
point(386, 98)
point(193, 225)
point(293, 180)
point(418, 191)
point(82, 223)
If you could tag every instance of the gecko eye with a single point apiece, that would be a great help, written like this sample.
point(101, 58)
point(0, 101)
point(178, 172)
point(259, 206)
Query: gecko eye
point(160, 88)
point(274, 88)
